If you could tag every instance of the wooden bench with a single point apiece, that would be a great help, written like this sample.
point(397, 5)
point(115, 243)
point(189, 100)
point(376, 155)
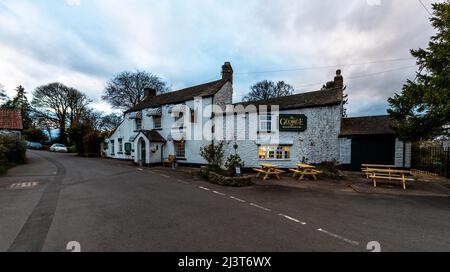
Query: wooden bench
point(365, 168)
point(170, 161)
point(305, 172)
point(268, 172)
point(390, 174)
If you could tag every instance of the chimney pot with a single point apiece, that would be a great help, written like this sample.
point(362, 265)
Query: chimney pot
point(339, 80)
point(227, 72)
point(149, 92)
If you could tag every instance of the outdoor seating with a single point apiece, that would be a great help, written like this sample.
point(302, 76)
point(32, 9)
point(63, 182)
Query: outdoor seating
point(305, 170)
point(391, 175)
point(366, 167)
point(169, 161)
point(267, 171)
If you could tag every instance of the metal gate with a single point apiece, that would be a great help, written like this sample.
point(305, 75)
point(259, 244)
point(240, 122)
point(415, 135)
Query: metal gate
point(434, 160)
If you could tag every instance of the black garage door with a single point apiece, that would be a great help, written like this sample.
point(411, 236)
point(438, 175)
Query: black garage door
point(379, 150)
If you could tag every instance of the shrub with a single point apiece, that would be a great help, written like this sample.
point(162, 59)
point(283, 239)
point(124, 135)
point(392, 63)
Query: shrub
point(232, 162)
point(12, 151)
point(92, 144)
point(330, 169)
point(213, 155)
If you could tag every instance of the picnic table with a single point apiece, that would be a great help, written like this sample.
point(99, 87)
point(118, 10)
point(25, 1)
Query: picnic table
point(390, 174)
point(268, 170)
point(366, 167)
point(305, 170)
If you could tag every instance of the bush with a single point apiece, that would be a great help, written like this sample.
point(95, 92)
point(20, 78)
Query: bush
point(213, 155)
point(92, 144)
point(12, 151)
point(330, 169)
point(232, 162)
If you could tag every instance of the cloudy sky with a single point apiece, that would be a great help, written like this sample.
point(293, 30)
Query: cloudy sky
point(83, 43)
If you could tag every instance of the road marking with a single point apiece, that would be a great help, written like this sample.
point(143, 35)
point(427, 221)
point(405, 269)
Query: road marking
point(219, 193)
point(151, 172)
point(165, 176)
point(182, 181)
point(260, 207)
point(203, 188)
point(339, 237)
point(140, 169)
point(237, 199)
point(292, 219)
point(23, 185)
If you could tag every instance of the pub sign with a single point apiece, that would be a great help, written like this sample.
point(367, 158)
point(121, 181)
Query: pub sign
point(293, 122)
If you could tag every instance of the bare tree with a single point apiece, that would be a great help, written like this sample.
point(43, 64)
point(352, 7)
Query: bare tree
point(267, 89)
point(126, 89)
point(60, 105)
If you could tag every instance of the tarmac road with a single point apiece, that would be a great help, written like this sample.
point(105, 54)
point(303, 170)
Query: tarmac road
point(107, 205)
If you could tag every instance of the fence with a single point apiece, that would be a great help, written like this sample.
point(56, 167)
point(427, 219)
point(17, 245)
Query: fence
point(435, 160)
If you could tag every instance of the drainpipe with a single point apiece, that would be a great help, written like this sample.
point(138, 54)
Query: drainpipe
point(404, 154)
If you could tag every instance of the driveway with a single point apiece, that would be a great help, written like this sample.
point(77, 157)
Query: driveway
point(108, 205)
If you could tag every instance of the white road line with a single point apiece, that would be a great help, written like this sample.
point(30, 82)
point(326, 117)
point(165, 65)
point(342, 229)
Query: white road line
point(292, 219)
point(182, 181)
point(140, 169)
point(12, 186)
point(151, 172)
point(219, 193)
point(203, 188)
point(339, 237)
point(237, 199)
point(260, 207)
point(165, 176)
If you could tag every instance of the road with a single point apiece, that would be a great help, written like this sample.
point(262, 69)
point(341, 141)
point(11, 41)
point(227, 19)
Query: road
point(107, 205)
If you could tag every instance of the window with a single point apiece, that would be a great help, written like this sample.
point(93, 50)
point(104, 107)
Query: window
point(112, 147)
point(265, 123)
point(120, 142)
point(138, 124)
point(180, 150)
point(157, 122)
point(272, 152)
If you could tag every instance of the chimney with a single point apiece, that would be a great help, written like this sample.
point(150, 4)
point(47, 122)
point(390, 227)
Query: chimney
point(149, 92)
point(227, 72)
point(339, 80)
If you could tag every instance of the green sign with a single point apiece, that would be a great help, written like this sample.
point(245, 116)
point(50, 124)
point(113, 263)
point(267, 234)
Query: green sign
point(128, 148)
point(293, 122)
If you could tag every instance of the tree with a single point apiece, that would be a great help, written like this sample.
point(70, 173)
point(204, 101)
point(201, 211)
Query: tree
point(60, 105)
point(20, 101)
point(267, 89)
point(3, 96)
point(422, 110)
point(126, 89)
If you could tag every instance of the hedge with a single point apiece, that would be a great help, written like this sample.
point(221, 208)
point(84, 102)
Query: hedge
point(12, 152)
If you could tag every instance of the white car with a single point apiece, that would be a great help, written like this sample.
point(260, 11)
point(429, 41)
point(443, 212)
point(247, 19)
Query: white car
point(58, 148)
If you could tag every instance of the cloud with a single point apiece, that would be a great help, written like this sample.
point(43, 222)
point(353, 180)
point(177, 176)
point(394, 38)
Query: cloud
point(186, 42)
point(73, 2)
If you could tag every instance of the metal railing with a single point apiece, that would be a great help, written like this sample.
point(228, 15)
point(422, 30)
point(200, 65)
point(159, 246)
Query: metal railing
point(433, 160)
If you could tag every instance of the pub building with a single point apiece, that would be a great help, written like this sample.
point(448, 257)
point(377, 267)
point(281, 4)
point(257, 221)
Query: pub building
point(304, 128)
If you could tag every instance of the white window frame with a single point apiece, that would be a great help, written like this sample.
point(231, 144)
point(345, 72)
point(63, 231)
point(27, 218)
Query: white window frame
point(154, 122)
point(176, 151)
point(265, 123)
point(120, 144)
point(272, 152)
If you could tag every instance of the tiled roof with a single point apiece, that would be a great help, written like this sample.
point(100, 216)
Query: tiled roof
point(153, 136)
point(11, 119)
point(303, 100)
point(369, 125)
point(207, 89)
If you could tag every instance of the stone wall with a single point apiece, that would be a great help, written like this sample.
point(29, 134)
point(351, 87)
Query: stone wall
point(219, 179)
point(317, 144)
